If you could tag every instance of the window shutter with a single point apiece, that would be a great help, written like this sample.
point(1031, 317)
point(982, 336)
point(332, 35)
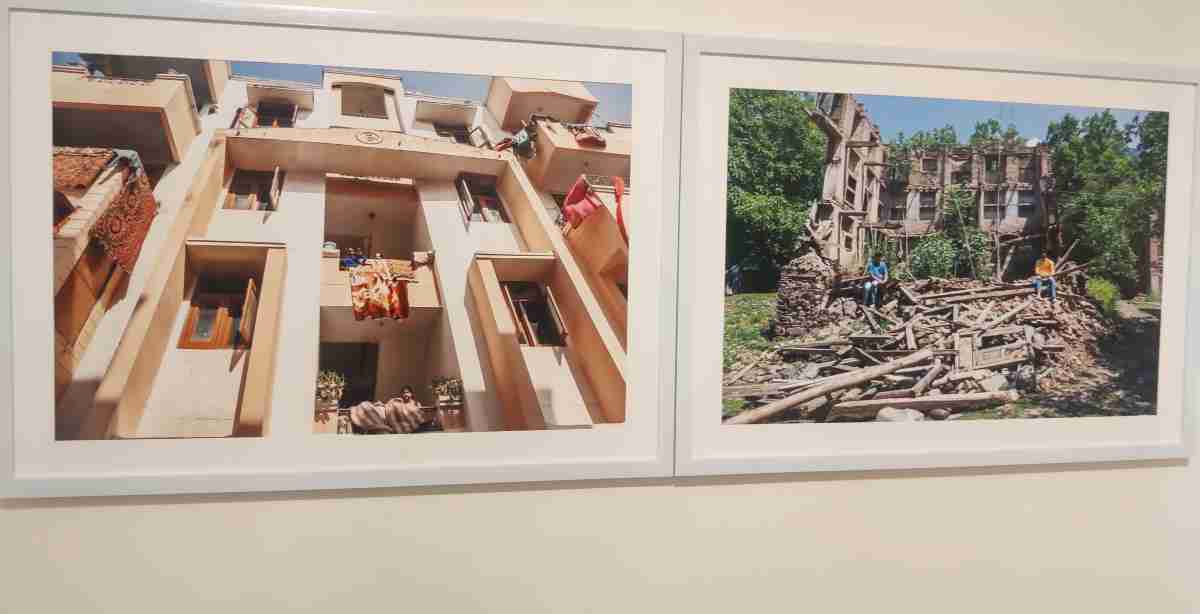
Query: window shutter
point(249, 313)
point(276, 188)
point(562, 326)
point(466, 199)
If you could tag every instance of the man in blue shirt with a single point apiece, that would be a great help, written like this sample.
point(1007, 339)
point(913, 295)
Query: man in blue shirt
point(878, 271)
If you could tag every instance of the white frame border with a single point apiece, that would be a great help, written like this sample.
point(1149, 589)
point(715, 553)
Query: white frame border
point(690, 460)
point(658, 464)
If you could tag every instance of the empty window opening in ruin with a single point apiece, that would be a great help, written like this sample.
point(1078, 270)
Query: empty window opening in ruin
point(928, 206)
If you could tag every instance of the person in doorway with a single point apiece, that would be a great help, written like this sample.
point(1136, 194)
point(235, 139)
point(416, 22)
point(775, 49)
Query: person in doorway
point(878, 272)
point(1044, 269)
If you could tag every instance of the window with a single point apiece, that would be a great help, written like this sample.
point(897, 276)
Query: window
point(364, 101)
point(992, 163)
point(535, 313)
point(1026, 203)
point(276, 115)
point(929, 165)
point(480, 202)
point(897, 212)
point(255, 190)
point(928, 206)
point(457, 134)
point(1029, 170)
point(993, 205)
point(221, 315)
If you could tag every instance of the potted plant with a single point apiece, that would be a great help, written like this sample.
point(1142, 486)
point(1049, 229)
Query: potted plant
point(448, 389)
point(448, 395)
point(330, 386)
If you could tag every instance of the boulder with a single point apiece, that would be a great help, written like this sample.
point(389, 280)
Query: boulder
point(891, 414)
point(995, 383)
point(938, 414)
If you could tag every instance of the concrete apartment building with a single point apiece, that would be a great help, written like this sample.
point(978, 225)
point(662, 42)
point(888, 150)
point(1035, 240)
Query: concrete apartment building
point(240, 294)
point(868, 188)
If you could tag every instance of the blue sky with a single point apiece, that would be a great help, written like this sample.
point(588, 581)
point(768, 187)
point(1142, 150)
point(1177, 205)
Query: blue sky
point(616, 100)
point(900, 113)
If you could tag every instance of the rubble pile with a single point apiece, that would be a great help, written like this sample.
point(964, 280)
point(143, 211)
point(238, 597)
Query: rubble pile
point(934, 349)
point(801, 304)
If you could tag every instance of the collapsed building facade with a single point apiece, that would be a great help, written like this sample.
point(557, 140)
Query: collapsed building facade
point(869, 189)
point(498, 227)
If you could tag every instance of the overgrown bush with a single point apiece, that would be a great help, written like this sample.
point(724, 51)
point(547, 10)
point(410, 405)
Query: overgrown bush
point(1106, 293)
point(934, 256)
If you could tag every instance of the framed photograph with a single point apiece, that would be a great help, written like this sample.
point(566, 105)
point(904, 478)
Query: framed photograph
point(302, 248)
point(932, 259)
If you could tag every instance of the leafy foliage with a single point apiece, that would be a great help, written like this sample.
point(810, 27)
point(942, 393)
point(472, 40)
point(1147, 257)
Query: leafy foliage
point(1111, 194)
point(934, 256)
point(990, 133)
point(1105, 293)
point(960, 221)
point(776, 170)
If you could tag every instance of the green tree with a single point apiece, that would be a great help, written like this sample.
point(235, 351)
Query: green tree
point(1105, 199)
point(960, 222)
point(776, 170)
point(990, 132)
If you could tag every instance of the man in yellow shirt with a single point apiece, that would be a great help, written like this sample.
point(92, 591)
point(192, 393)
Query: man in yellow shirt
point(1045, 276)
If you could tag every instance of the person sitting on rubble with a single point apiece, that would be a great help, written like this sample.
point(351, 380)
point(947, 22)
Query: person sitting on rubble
point(878, 271)
point(1044, 269)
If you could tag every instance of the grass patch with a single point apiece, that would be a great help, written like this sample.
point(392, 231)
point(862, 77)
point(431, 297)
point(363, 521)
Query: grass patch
point(732, 407)
point(746, 317)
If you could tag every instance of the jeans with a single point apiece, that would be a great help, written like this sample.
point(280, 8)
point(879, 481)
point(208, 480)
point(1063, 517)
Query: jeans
point(871, 293)
point(1045, 281)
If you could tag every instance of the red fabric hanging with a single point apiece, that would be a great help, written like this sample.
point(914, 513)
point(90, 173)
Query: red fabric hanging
point(580, 202)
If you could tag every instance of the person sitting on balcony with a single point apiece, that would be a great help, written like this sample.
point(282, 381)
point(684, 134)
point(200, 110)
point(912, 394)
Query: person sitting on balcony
point(395, 416)
point(878, 271)
point(1044, 269)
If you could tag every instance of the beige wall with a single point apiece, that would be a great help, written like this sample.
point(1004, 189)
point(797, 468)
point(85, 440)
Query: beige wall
point(1100, 539)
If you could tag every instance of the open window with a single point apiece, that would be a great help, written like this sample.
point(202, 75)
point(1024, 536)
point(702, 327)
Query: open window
point(361, 100)
point(255, 190)
point(479, 200)
point(276, 115)
point(929, 165)
point(454, 133)
point(535, 312)
point(221, 315)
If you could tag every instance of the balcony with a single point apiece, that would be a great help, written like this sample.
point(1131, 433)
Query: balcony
point(562, 156)
point(156, 117)
point(423, 299)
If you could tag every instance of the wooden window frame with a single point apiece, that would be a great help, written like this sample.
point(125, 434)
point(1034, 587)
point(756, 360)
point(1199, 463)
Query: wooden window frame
point(526, 334)
point(264, 193)
point(469, 201)
point(226, 333)
point(924, 162)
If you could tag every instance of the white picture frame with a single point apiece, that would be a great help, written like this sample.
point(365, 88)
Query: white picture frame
point(642, 446)
point(715, 64)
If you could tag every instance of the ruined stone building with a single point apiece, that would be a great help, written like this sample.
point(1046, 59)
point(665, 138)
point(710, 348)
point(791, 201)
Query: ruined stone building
point(869, 188)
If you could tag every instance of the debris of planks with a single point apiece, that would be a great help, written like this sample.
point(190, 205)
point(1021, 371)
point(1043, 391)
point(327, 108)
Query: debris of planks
point(946, 345)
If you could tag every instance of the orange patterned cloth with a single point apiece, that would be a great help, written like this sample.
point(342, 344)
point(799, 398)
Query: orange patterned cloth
point(123, 226)
point(376, 293)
